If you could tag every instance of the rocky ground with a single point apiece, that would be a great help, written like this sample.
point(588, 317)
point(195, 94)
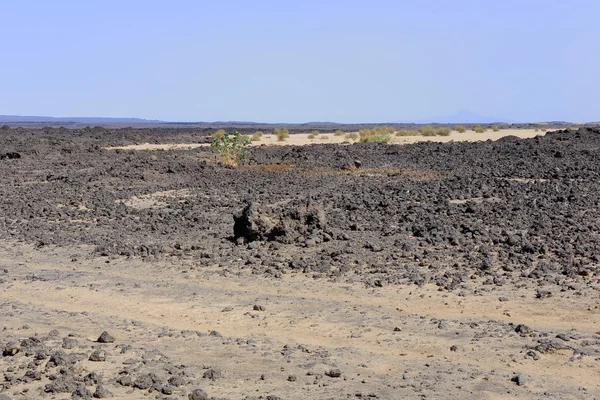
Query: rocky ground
point(456, 270)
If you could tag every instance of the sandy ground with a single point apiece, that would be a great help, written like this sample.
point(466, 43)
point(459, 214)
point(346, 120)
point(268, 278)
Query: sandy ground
point(303, 139)
point(388, 342)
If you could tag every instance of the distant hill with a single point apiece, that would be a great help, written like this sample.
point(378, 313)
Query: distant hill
point(81, 120)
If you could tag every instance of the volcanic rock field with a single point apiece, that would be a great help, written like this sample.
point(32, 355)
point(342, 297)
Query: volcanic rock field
point(464, 270)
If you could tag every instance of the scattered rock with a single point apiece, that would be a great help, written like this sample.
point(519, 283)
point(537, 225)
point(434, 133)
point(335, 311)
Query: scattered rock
point(98, 355)
point(198, 394)
point(69, 343)
point(334, 373)
point(102, 393)
point(519, 379)
point(106, 337)
point(523, 329)
point(143, 382)
point(11, 349)
point(532, 354)
point(81, 392)
point(212, 374)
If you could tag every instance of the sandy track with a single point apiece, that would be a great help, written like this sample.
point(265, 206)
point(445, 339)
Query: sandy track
point(352, 324)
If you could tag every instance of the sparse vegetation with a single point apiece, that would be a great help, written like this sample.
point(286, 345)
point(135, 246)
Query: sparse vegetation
point(313, 135)
point(460, 128)
point(351, 136)
point(427, 130)
point(231, 148)
point(281, 133)
point(379, 134)
point(408, 132)
point(536, 130)
point(257, 136)
point(495, 128)
point(443, 131)
point(219, 134)
point(339, 132)
point(478, 128)
point(544, 129)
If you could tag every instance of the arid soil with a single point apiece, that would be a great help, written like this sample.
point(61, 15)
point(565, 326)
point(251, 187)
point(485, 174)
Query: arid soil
point(462, 270)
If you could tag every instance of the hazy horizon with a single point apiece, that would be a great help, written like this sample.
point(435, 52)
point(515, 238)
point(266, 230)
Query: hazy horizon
point(344, 62)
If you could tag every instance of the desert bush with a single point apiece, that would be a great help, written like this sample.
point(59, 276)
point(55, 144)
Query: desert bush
point(379, 134)
point(219, 134)
point(339, 132)
point(257, 135)
point(379, 137)
point(408, 132)
point(363, 133)
point(231, 148)
point(281, 133)
point(478, 128)
point(427, 130)
point(460, 128)
point(495, 128)
point(544, 129)
point(443, 131)
point(351, 136)
point(313, 134)
point(536, 130)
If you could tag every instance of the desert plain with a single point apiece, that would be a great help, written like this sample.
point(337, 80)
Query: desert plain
point(135, 265)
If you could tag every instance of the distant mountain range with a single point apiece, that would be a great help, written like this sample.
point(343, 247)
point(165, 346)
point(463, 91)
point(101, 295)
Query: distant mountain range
point(82, 120)
point(462, 117)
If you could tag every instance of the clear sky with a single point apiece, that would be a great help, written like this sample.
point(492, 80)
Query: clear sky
point(300, 61)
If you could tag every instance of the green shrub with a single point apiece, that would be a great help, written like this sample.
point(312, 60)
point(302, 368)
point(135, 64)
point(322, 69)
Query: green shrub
point(339, 132)
point(496, 128)
point(376, 137)
point(351, 136)
point(380, 137)
point(313, 134)
point(544, 129)
point(257, 135)
point(379, 134)
point(536, 129)
point(443, 131)
point(427, 130)
point(460, 128)
point(478, 128)
point(281, 134)
point(231, 148)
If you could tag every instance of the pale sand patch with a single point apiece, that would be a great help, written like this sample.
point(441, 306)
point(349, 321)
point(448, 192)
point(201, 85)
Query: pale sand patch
point(159, 146)
point(302, 139)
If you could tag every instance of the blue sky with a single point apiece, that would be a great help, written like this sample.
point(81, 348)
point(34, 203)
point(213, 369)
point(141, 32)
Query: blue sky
point(283, 61)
